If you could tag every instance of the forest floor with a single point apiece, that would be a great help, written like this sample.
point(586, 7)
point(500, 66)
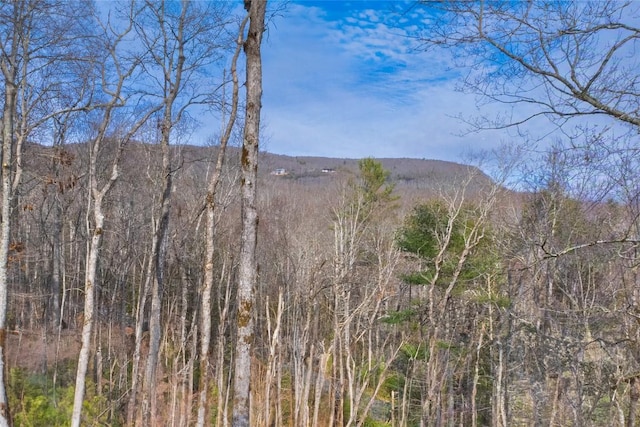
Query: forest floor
point(38, 350)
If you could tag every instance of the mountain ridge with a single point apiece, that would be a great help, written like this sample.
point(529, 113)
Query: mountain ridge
point(404, 172)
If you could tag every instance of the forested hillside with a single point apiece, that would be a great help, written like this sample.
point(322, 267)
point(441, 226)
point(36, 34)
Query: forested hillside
point(328, 261)
point(148, 281)
point(376, 295)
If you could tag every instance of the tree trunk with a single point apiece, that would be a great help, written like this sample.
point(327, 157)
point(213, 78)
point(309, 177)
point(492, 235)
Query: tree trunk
point(224, 302)
point(248, 274)
point(158, 256)
point(273, 359)
point(5, 230)
point(205, 306)
point(56, 245)
point(96, 197)
point(137, 351)
point(89, 306)
point(634, 397)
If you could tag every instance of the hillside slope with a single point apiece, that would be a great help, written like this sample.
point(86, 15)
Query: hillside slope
point(416, 174)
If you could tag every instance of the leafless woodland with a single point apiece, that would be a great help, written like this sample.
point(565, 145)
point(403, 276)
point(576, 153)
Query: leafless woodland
point(374, 292)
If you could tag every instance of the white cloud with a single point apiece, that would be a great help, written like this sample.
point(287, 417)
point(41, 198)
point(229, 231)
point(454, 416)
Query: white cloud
point(353, 86)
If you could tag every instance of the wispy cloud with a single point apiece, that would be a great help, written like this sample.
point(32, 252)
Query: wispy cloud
point(344, 80)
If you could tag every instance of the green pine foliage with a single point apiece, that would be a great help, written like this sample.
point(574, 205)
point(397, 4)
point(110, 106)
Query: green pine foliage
point(374, 182)
point(423, 235)
point(457, 265)
point(35, 402)
point(419, 234)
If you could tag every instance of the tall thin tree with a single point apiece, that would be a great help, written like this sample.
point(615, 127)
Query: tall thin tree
point(36, 38)
point(116, 73)
point(205, 305)
point(248, 271)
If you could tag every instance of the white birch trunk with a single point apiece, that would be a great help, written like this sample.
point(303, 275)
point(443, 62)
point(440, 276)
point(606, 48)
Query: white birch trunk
point(274, 339)
point(205, 307)
point(95, 200)
point(5, 230)
point(90, 278)
point(221, 383)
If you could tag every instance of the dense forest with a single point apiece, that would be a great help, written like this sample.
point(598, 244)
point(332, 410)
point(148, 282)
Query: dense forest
point(148, 281)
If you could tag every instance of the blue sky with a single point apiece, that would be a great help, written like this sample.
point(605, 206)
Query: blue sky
point(343, 79)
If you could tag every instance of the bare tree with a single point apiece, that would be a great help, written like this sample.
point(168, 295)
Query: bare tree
point(572, 64)
point(559, 60)
point(451, 238)
point(117, 71)
point(248, 272)
point(37, 37)
point(569, 63)
point(569, 268)
point(180, 39)
point(7, 197)
point(209, 276)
